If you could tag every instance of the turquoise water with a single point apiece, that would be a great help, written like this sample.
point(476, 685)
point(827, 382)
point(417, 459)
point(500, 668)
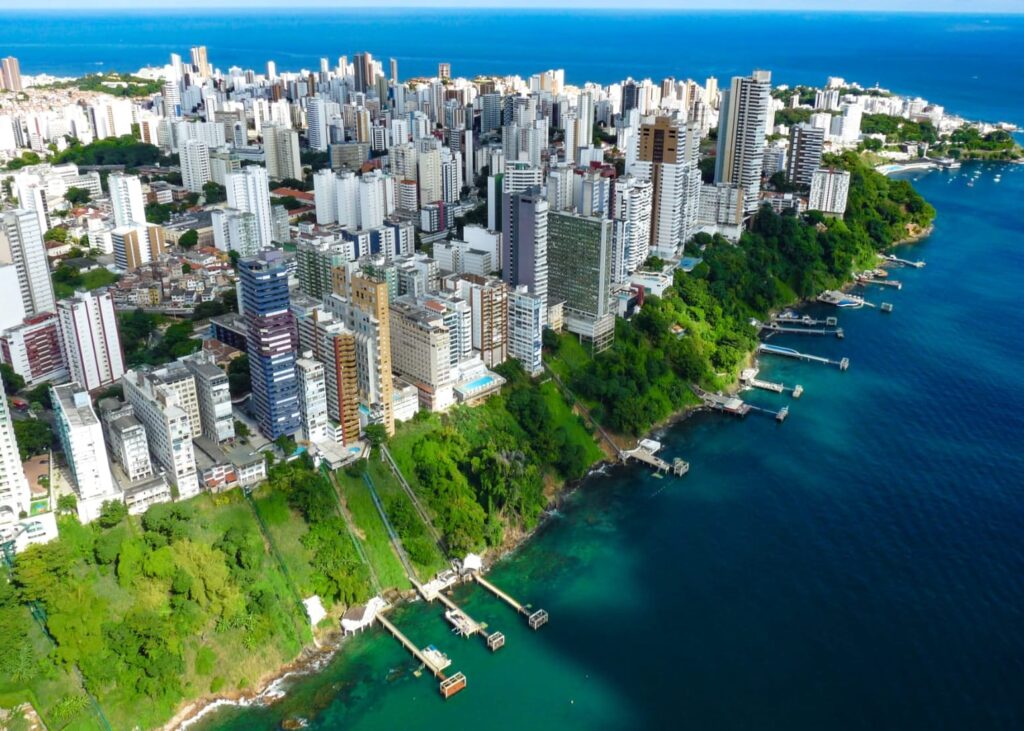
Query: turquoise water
point(860, 566)
point(479, 383)
point(909, 53)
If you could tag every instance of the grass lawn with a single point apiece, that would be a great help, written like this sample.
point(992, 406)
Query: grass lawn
point(428, 560)
point(286, 528)
point(574, 426)
point(374, 536)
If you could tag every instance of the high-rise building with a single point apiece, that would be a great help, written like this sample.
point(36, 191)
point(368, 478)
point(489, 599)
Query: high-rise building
point(362, 72)
point(525, 241)
point(195, 165)
point(526, 316)
point(265, 301)
point(126, 437)
point(488, 304)
point(393, 68)
point(421, 352)
point(10, 74)
point(632, 206)
point(248, 191)
point(14, 490)
point(168, 427)
point(126, 199)
point(92, 345)
point(317, 258)
point(490, 113)
point(316, 123)
point(235, 230)
point(137, 244)
point(580, 275)
point(213, 396)
point(806, 144)
point(333, 345)
point(668, 153)
point(33, 349)
point(829, 191)
point(281, 148)
point(444, 70)
point(369, 317)
point(21, 244)
point(81, 438)
point(312, 398)
point(200, 63)
point(742, 126)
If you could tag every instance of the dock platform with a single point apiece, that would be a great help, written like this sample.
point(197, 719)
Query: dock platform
point(535, 619)
point(792, 318)
point(721, 402)
point(433, 659)
point(843, 363)
point(902, 262)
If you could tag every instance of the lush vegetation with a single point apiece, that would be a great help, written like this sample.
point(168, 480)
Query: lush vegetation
point(482, 471)
point(125, 150)
point(183, 601)
point(115, 84)
point(143, 342)
point(34, 437)
point(68, 279)
point(898, 129)
point(700, 332)
point(968, 143)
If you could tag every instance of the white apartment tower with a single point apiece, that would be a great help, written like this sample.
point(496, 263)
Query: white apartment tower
point(81, 438)
point(195, 165)
point(14, 490)
point(21, 244)
point(248, 191)
point(741, 131)
point(92, 345)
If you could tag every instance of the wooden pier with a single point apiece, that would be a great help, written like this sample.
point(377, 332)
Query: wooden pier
point(863, 281)
point(903, 262)
point(774, 327)
point(433, 662)
point(805, 320)
point(460, 620)
point(843, 363)
point(749, 378)
point(720, 402)
point(535, 619)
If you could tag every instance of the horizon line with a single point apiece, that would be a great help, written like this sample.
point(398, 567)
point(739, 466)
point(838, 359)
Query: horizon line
point(877, 7)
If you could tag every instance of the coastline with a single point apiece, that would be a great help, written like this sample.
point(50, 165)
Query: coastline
point(313, 658)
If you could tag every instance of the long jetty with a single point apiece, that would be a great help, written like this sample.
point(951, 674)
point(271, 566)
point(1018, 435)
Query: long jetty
point(843, 363)
point(460, 620)
point(432, 664)
point(774, 327)
point(535, 619)
point(905, 262)
point(787, 318)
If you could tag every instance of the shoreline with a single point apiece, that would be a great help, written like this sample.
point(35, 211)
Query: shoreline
point(313, 658)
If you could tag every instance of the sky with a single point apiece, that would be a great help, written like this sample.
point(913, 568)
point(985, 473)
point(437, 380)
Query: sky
point(973, 7)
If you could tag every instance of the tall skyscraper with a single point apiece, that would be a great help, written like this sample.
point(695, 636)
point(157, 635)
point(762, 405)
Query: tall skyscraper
point(264, 299)
point(81, 437)
point(362, 71)
point(370, 319)
point(10, 74)
point(741, 131)
point(92, 345)
point(393, 67)
point(14, 489)
point(580, 275)
point(195, 165)
point(806, 144)
point(281, 148)
point(21, 244)
point(632, 205)
point(444, 70)
point(668, 152)
point(316, 123)
point(199, 62)
point(126, 199)
point(312, 399)
point(525, 244)
point(248, 191)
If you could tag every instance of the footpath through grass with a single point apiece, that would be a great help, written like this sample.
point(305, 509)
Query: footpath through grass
point(371, 531)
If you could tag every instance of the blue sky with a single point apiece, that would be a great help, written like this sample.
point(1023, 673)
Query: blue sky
point(947, 6)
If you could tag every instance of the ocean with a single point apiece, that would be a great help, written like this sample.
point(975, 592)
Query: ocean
point(860, 566)
point(908, 53)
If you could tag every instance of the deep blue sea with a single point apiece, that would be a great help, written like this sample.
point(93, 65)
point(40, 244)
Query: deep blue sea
point(860, 566)
point(972, 64)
